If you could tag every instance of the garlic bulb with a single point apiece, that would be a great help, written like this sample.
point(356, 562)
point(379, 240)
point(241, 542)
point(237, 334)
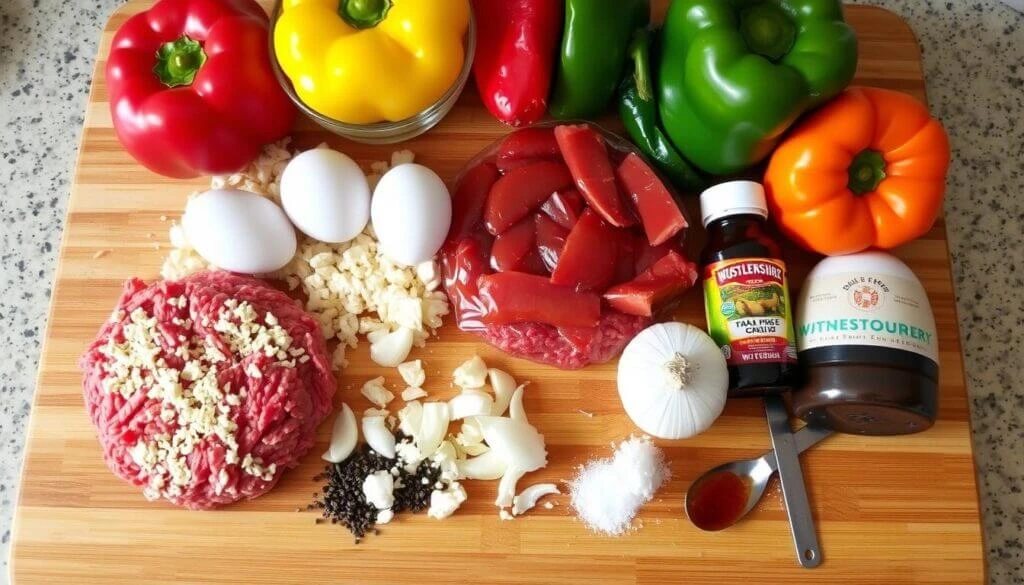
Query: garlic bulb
point(673, 380)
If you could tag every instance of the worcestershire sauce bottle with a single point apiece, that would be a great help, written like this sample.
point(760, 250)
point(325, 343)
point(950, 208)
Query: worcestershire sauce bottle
point(746, 295)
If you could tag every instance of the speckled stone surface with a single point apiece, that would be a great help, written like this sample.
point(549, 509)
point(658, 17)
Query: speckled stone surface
point(974, 64)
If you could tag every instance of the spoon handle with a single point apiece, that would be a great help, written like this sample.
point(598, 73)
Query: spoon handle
point(805, 438)
point(805, 537)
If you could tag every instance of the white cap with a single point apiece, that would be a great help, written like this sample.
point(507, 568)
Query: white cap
point(732, 198)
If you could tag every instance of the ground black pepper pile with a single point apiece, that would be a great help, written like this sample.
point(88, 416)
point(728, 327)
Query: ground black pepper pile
point(341, 500)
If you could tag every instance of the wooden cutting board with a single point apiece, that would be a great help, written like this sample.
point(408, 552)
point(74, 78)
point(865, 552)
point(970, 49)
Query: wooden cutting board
point(887, 509)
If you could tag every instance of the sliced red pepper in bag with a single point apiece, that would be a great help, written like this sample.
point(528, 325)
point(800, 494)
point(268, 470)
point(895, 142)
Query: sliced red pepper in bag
point(588, 259)
point(659, 213)
point(656, 289)
point(469, 199)
point(515, 249)
point(526, 146)
point(512, 297)
point(586, 156)
point(522, 190)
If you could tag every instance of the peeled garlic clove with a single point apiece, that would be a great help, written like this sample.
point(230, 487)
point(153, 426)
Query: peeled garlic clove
point(470, 403)
point(433, 427)
point(488, 466)
point(375, 335)
point(503, 385)
point(471, 374)
point(378, 437)
point(515, 406)
point(412, 373)
point(393, 348)
point(344, 436)
point(529, 496)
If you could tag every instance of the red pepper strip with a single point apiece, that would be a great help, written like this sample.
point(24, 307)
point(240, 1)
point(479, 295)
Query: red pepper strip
point(515, 53)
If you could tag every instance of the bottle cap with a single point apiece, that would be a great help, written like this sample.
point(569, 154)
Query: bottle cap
point(732, 198)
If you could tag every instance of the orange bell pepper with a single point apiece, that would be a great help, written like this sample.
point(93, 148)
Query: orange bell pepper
point(867, 170)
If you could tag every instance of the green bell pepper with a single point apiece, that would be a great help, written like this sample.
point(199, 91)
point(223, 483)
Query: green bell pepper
point(735, 74)
point(639, 112)
point(593, 54)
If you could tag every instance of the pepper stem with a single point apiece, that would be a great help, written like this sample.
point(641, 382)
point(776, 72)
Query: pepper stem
point(679, 370)
point(364, 13)
point(178, 61)
point(866, 171)
point(767, 30)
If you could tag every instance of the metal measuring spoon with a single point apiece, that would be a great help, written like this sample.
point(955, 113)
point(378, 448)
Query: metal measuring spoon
point(723, 495)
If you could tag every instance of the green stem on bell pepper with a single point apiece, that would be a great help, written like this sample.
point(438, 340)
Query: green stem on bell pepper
point(735, 74)
point(639, 112)
point(593, 54)
point(178, 61)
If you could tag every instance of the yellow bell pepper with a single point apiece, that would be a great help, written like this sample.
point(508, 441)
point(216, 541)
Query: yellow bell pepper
point(366, 61)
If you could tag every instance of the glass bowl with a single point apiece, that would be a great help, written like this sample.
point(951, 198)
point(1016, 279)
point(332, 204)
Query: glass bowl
point(383, 132)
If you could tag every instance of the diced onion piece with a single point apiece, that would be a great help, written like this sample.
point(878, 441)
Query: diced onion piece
point(470, 403)
point(375, 392)
point(412, 393)
point(393, 348)
point(503, 385)
point(412, 373)
point(507, 486)
point(410, 417)
point(518, 443)
point(488, 466)
point(471, 374)
point(515, 406)
point(378, 437)
point(433, 427)
point(344, 436)
point(529, 496)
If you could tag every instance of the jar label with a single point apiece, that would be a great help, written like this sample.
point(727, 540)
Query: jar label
point(748, 310)
point(866, 308)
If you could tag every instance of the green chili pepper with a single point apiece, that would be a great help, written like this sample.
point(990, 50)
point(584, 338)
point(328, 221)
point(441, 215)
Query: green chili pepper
point(593, 54)
point(639, 112)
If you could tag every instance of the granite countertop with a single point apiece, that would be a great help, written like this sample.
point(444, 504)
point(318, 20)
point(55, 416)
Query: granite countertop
point(974, 65)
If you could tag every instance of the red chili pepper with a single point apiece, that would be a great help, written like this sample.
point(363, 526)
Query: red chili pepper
point(515, 54)
point(192, 91)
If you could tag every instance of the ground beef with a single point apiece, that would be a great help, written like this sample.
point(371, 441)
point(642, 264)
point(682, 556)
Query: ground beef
point(265, 408)
point(567, 349)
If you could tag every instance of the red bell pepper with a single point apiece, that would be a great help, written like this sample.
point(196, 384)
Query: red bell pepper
point(516, 45)
point(191, 88)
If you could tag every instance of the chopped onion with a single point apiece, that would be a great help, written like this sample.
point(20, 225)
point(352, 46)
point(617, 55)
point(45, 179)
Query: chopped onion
point(471, 374)
point(378, 437)
point(410, 417)
point(503, 385)
point(412, 373)
point(470, 403)
point(433, 427)
point(515, 406)
point(517, 442)
point(529, 496)
point(344, 436)
point(375, 392)
point(392, 349)
point(507, 486)
point(488, 466)
point(412, 393)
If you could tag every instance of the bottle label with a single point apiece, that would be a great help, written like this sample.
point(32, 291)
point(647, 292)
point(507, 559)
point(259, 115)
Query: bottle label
point(748, 310)
point(867, 308)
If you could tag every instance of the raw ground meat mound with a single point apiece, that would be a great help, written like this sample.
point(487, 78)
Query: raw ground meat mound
point(545, 344)
point(274, 402)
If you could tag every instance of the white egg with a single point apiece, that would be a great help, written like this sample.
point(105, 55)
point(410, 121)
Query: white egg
point(239, 231)
point(326, 195)
point(411, 212)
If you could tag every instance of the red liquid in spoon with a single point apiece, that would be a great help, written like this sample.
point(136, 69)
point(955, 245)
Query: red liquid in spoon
point(718, 501)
